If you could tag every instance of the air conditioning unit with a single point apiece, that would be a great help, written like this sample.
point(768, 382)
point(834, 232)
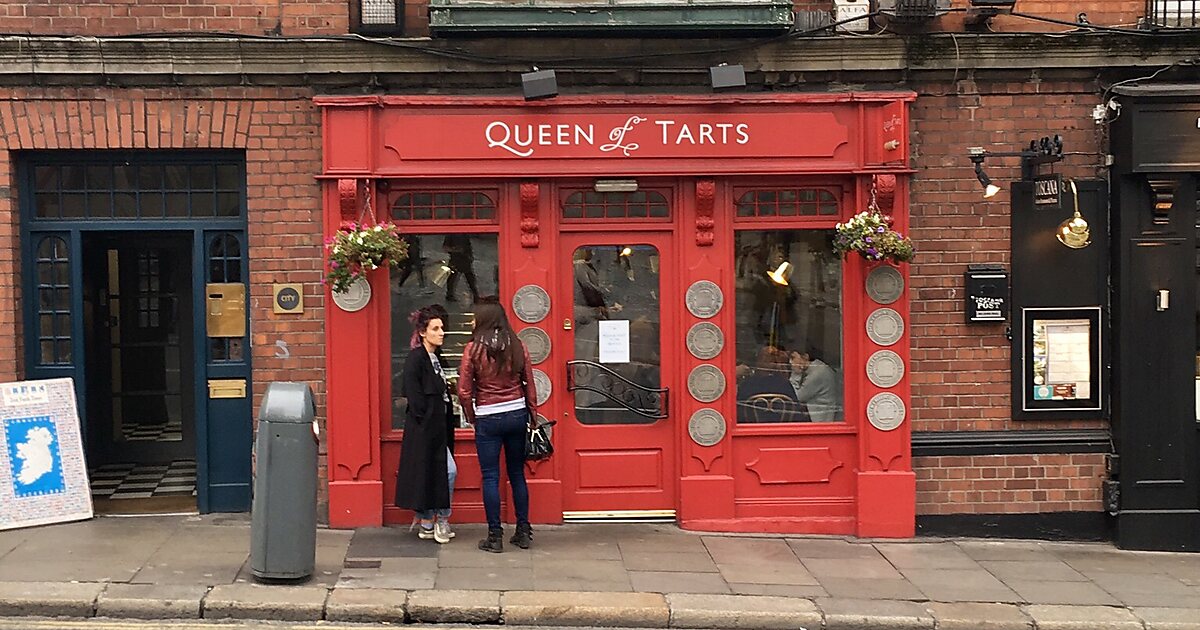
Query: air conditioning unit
point(913, 10)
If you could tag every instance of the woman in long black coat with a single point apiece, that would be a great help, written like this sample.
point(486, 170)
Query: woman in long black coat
point(425, 480)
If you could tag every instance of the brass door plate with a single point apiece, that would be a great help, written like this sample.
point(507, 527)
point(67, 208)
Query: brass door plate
point(288, 298)
point(225, 309)
point(226, 388)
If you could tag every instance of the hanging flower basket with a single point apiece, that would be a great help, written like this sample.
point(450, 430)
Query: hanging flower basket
point(870, 234)
point(356, 249)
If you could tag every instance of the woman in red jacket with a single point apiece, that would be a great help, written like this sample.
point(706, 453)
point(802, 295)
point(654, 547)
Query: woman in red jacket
point(495, 387)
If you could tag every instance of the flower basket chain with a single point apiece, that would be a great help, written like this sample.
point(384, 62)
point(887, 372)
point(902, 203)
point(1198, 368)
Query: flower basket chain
point(870, 234)
point(358, 248)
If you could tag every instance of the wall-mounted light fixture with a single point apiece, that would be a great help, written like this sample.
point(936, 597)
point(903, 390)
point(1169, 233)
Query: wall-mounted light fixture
point(1046, 150)
point(615, 185)
point(980, 11)
point(727, 77)
point(782, 273)
point(1074, 232)
point(539, 84)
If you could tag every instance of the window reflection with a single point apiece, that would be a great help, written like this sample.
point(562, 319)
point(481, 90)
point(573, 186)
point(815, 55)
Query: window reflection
point(454, 270)
point(617, 333)
point(789, 326)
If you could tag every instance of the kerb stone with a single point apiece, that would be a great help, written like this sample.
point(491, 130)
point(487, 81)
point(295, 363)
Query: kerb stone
point(1169, 618)
point(567, 608)
point(742, 612)
point(253, 601)
point(975, 616)
point(151, 601)
point(49, 599)
point(1082, 618)
point(454, 606)
point(366, 605)
point(870, 614)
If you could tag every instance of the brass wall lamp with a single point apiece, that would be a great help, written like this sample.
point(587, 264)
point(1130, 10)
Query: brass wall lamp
point(1074, 232)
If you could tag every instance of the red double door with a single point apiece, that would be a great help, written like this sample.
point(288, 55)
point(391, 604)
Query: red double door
point(616, 434)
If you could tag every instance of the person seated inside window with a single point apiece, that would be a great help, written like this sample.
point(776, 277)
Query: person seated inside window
point(766, 393)
point(816, 385)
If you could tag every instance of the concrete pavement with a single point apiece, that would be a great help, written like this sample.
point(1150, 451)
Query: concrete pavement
point(631, 575)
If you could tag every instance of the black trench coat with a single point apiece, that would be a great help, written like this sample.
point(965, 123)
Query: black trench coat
point(421, 482)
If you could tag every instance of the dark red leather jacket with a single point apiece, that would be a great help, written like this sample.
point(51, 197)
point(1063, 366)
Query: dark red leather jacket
point(479, 384)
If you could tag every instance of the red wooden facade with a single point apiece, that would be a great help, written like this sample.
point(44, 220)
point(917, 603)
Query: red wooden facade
point(700, 152)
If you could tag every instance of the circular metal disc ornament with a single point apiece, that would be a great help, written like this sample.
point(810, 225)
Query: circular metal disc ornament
point(531, 303)
point(885, 411)
point(885, 326)
point(355, 297)
point(885, 284)
point(541, 387)
point(706, 383)
point(705, 340)
point(704, 299)
point(706, 427)
point(537, 342)
point(543, 422)
point(885, 368)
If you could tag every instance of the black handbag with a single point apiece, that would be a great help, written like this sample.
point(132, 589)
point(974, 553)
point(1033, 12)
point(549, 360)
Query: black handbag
point(537, 441)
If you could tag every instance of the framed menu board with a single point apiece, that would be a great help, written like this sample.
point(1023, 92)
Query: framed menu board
point(1061, 360)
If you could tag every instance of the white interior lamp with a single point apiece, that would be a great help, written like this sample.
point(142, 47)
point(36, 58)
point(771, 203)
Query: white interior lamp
point(781, 274)
point(1074, 232)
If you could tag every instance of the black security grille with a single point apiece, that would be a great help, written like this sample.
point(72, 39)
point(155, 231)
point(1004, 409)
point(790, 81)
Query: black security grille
point(1173, 13)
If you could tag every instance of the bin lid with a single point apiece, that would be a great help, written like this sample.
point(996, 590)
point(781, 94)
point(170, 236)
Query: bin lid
point(287, 402)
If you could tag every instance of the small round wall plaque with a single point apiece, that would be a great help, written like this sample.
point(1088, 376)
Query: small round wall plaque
point(885, 411)
point(885, 326)
point(704, 299)
point(355, 297)
point(537, 342)
point(706, 427)
point(885, 284)
point(705, 340)
point(706, 383)
point(885, 368)
point(541, 387)
point(531, 303)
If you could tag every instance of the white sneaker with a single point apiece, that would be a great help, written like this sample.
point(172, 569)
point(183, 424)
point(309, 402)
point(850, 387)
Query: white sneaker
point(426, 534)
point(441, 531)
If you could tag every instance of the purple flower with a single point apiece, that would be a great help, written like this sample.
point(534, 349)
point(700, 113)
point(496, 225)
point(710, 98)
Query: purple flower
point(872, 251)
point(879, 229)
point(867, 239)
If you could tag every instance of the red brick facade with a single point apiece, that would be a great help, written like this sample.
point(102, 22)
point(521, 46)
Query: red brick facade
point(1008, 484)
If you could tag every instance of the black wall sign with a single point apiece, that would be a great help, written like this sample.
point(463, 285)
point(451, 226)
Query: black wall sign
point(1047, 191)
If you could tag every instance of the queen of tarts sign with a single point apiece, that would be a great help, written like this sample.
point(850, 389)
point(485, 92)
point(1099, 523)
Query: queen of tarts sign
point(680, 134)
point(43, 478)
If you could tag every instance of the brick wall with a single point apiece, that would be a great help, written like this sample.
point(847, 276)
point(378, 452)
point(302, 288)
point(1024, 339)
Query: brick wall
point(125, 17)
point(1006, 484)
point(279, 130)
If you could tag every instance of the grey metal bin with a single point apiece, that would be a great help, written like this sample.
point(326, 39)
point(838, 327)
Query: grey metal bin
point(283, 522)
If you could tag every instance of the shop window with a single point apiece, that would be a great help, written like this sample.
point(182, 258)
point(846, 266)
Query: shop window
point(54, 301)
point(788, 309)
point(641, 204)
point(454, 270)
point(799, 202)
point(444, 205)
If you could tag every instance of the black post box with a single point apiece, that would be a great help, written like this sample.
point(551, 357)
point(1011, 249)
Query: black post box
point(986, 293)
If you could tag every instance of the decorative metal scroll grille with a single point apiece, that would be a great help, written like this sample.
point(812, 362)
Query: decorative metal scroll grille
point(434, 206)
point(600, 379)
point(787, 203)
point(641, 204)
point(54, 301)
point(153, 190)
point(374, 14)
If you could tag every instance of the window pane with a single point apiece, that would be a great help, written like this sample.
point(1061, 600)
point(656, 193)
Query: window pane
point(788, 309)
point(453, 270)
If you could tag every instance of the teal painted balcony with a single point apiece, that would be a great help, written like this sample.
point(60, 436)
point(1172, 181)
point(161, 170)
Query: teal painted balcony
point(558, 17)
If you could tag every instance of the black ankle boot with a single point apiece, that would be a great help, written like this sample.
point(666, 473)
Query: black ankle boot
point(523, 537)
point(494, 541)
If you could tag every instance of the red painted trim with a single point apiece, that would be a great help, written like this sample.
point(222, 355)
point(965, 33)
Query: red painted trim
point(618, 99)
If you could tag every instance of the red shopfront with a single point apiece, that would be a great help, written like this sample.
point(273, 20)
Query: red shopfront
point(667, 260)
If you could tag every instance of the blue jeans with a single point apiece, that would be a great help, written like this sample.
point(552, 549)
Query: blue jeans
point(451, 475)
point(492, 432)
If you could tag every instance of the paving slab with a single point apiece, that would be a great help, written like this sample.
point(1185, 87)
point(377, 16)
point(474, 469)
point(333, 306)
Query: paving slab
point(360, 605)
point(1169, 618)
point(1005, 550)
point(579, 547)
point(750, 551)
point(469, 556)
point(1062, 593)
point(454, 607)
point(1150, 590)
point(254, 601)
point(151, 601)
point(874, 614)
point(49, 599)
point(566, 608)
point(778, 590)
point(389, 542)
point(393, 573)
point(859, 568)
point(496, 579)
point(1048, 617)
point(1039, 571)
point(580, 575)
point(742, 612)
point(190, 568)
point(664, 544)
point(832, 548)
point(672, 582)
point(768, 574)
point(668, 561)
point(853, 588)
point(926, 556)
point(979, 616)
point(960, 585)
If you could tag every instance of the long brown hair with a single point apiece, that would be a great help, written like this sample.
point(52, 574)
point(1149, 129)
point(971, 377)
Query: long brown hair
point(494, 337)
